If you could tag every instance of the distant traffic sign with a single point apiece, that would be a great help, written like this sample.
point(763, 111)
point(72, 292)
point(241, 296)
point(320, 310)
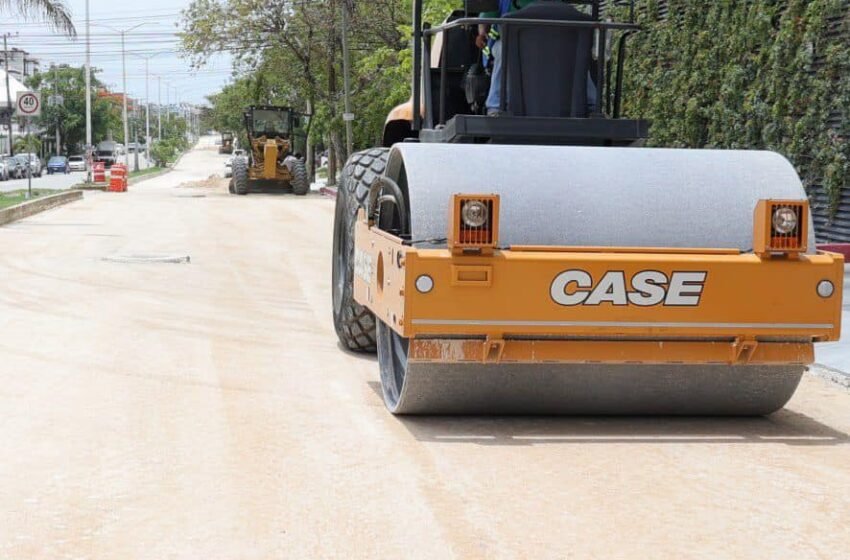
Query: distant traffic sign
point(29, 104)
point(348, 117)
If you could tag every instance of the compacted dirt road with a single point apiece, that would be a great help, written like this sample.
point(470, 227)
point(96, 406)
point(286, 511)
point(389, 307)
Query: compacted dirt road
point(204, 410)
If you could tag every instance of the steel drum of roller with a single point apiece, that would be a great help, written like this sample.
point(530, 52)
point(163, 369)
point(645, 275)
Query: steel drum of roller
point(599, 197)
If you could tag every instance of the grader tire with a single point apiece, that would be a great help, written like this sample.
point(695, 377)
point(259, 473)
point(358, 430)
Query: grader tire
point(240, 176)
point(300, 182)
point(354, 324)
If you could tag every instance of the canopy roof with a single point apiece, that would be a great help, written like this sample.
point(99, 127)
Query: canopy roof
point(15, 86)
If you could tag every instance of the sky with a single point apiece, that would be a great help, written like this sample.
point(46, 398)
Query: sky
point(156, 38)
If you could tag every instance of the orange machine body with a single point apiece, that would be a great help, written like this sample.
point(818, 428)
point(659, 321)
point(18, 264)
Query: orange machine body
point(599, 305)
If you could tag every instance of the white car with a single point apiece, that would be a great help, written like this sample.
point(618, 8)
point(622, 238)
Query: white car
point(77, 163)
point(229, 163)
point(33, 161)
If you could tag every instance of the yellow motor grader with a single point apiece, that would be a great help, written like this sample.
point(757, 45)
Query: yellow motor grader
point(226, 143)
point(272, 159)
point(542, 261)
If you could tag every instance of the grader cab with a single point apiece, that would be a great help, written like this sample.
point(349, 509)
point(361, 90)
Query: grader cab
point(273, 159)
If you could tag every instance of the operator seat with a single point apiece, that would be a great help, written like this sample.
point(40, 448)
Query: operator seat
point(548, 68)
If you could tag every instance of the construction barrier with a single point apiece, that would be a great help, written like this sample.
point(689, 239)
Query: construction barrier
point(118, 180)
point(99, 171)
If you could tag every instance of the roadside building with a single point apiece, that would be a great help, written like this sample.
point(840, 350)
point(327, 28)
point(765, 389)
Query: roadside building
point(8, 98)
point(21, 64)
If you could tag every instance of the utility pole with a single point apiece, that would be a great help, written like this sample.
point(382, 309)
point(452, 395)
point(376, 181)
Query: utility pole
point(147, 104)
point(124, 33)
point(135, 141)
point(348, 117)
point(147, 112)
point(8, 91)
point(56, 104)
point(88, 98)
point(124, 96)
point(159, 106)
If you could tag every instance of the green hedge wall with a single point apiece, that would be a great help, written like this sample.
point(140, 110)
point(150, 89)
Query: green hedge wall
point(747, 74)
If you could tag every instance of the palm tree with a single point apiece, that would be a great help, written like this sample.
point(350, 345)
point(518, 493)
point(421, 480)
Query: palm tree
point(28, 144)
point(55, 13)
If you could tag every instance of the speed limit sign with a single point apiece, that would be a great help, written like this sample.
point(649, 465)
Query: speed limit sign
point(29, 104)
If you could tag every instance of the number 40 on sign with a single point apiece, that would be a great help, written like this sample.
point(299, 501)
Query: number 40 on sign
point(29, 104)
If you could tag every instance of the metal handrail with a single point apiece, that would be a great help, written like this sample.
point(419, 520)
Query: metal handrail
point(427, 33)
point(467, 22)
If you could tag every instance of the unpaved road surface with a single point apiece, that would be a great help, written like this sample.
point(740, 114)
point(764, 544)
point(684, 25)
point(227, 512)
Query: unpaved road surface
point(204, 411)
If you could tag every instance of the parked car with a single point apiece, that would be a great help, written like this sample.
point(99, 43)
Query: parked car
point(77, 163)
point(58, 164)
point(228, 172)
point(14, 167)
point(4, 170)
point(32, 161)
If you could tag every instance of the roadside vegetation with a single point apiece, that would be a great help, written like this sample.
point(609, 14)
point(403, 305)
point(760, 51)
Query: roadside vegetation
point(755, 75)
point(143, 172)
point(13, 198)
point(70, 82)
point(107, 116)
point(290, 53)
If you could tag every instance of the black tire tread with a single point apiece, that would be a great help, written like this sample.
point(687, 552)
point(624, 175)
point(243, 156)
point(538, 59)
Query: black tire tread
point(355, 325)
point(240, 177)
point(300, 182)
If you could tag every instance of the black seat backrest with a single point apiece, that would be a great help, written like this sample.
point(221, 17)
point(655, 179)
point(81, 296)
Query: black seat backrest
point(547, 67)
point(459, 45)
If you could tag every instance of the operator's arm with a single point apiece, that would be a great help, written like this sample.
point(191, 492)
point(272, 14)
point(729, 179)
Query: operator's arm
point(483, 30)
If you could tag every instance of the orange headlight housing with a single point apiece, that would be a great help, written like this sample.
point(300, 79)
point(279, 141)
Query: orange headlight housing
point(781, 227)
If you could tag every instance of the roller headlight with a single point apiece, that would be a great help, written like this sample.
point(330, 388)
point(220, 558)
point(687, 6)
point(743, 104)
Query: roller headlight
point(475, 214)
point(784, 220)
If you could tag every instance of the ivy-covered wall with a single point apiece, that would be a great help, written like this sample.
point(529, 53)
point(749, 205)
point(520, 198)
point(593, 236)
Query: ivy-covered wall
point(772, 74)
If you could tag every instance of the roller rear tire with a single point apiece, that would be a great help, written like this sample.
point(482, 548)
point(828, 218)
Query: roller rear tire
point(354, 324)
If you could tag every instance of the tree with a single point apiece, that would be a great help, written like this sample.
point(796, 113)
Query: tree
point(289, 53)
point(163, 151)
point(69, 82)
point(28, 144)
point(54, 12)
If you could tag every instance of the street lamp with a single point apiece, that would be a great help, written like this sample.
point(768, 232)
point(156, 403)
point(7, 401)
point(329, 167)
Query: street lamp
point(123, 33)
point(159, 106)
point(147, 102)
point(88, 97)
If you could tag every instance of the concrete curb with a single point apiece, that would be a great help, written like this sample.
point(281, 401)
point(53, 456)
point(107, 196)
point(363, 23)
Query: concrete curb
point(329, 192)
point(143, 178)
point(31, 207)
point(831, 374)
point(180, 157)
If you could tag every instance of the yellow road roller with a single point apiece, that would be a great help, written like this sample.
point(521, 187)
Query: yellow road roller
point(542, 262)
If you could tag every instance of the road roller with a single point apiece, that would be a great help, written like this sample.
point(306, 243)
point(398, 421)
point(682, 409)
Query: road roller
point(542, 261)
